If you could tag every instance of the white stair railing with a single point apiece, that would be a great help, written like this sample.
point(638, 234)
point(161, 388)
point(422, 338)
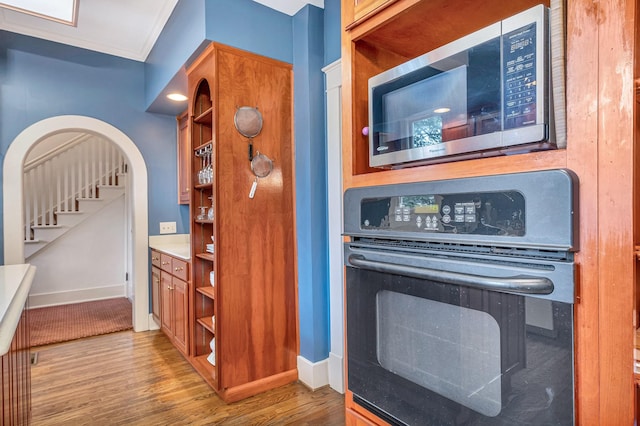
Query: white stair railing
point(75, 170)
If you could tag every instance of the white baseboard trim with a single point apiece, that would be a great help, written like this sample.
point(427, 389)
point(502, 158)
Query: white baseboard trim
point(336, 372)
point(76, 296)
point(313, 374)
point(153, 325)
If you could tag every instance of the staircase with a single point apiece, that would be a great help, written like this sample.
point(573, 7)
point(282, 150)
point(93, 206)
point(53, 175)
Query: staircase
point(66, 185)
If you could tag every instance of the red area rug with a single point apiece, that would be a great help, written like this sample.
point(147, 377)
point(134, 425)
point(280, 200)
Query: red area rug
point(55, 324)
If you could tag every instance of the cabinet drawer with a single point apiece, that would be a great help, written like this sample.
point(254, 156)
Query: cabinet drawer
point(165, 263)
point(180, 269)
point(155, 258)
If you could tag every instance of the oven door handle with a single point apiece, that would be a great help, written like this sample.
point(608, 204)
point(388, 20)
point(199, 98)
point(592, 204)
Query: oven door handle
point(521, 284)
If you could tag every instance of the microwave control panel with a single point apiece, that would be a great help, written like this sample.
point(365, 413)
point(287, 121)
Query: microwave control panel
point(487, 213)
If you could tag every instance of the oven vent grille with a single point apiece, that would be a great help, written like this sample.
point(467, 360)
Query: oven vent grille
point(418, 246)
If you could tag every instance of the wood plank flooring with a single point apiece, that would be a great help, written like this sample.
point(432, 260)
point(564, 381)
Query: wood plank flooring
point(129, 378)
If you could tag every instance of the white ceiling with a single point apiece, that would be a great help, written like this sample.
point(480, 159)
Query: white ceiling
point(125, 28)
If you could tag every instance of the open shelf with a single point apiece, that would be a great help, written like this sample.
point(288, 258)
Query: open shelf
point(206, 370)
point(207, 291)
point(208, 323)
point(203, 186)
point(206, 256)
point(205, 117)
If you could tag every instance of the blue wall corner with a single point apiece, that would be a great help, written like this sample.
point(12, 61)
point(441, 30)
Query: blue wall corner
point(332, 31)
point(182, 35)
point(251, 26)
point(311, 187)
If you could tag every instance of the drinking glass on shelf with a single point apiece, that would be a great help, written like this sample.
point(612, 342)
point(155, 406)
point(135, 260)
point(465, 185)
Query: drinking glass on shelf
point(210, 211)
point(203, 213)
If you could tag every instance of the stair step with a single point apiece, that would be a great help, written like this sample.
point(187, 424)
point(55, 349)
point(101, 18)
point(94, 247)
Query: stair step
point(48, 232)
point(33, 246)
point(109, 192)
point(69, 219)
point(34, 241)
point(90, 205)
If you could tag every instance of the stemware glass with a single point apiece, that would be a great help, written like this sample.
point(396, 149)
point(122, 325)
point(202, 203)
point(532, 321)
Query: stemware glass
point(203, 213)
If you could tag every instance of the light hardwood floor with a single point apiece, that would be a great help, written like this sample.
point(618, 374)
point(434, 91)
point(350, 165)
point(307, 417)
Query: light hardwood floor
point(129, 378)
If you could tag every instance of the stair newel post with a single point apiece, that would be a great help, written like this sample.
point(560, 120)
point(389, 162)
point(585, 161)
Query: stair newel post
point(72, 180)
point(58, 169)
point(38, 195)
point(94, 177)
point(78, 167)
point(121, 165)
point(99, 159)
point(26, 210)
point(110, 154)
point(86, 184)
point(65, 184)
point(47, 196)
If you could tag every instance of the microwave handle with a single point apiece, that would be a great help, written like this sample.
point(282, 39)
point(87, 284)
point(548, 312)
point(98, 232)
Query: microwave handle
point(520, 284)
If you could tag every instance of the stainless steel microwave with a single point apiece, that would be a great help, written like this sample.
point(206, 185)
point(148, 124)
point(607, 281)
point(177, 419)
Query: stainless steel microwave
point(487, 93)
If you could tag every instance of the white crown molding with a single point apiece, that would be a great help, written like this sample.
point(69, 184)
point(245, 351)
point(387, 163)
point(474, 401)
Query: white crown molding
point(290, 7)
point(113, 27)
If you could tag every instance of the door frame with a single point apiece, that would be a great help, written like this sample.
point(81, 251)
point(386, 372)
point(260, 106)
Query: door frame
point(13, 218)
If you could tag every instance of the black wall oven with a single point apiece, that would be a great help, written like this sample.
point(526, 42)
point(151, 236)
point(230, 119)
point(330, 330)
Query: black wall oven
point(459, 298)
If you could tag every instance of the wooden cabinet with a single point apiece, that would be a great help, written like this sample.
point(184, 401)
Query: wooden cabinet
point(601, 150)
point(359, 10)
point(254, 297)
point(184, 158)
point(175, 305)
point(170, 288)
point(15, 378)
point(156, 292)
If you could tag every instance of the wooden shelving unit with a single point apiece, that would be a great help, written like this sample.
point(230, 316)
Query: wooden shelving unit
point(254, 297)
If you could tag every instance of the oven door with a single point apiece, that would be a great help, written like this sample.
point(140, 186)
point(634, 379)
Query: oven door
point(431, 344)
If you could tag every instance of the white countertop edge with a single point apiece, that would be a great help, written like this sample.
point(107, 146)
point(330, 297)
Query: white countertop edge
point(13, 313)
point(176, 245)
point(176, 250)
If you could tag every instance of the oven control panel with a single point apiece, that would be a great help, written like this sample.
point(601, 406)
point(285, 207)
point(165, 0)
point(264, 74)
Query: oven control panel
point(482, 213)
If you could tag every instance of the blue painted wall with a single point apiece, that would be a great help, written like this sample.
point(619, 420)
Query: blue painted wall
point(311, 183)
point(332, 31)
point(41, 79)
point(250, 26)
point(180, 40)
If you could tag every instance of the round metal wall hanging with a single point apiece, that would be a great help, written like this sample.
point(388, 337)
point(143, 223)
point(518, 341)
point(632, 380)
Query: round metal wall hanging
point(248, 121)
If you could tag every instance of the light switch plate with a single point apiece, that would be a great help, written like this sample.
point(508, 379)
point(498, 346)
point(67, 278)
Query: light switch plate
point(167, 227)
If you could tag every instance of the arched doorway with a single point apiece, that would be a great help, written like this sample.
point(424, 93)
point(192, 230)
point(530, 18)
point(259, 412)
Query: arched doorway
point(13, 196)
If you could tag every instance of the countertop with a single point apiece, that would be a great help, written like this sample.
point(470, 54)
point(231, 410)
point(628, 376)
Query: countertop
point(176, 245)
point(15, 283)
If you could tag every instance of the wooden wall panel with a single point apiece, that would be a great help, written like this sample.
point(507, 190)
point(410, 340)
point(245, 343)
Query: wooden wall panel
point(15, 375)
point(582, 157)
point(615, 205)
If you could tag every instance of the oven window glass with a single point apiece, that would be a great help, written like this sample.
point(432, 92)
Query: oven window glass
point(422, 352)
point(436, 345)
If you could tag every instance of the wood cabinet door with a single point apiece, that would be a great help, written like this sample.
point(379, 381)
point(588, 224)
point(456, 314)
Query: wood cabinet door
point(180, 309)
point(156, 295)
point(166, 300)
point(184, 159)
